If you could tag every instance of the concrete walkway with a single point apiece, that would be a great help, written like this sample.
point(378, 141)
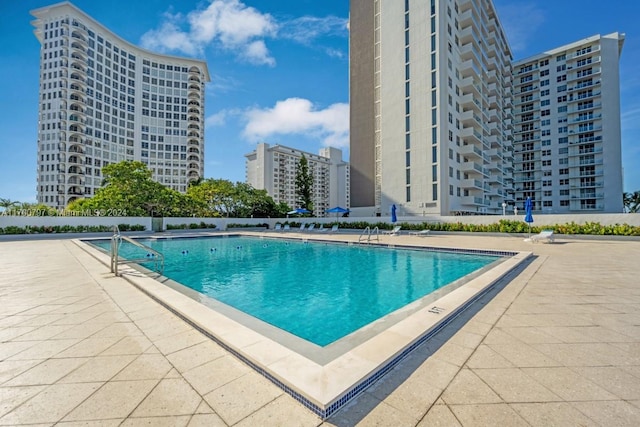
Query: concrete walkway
point(557, 345)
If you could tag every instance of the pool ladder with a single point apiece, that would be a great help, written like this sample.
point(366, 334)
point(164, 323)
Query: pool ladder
point(368, 233)
point(116, 241)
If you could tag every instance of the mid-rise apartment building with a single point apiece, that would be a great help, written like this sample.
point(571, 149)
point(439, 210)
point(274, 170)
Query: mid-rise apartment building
point(438, 107)
point(273, 168)
point(104, 100)
point(567, 127)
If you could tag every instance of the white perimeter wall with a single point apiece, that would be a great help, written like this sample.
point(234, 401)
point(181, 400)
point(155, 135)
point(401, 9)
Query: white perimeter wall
point(222, 223)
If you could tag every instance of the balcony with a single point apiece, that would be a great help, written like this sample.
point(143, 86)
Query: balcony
point(585, 162)
point(472, 167)
point(473, 201)
point(530, 98)
point(583, 85)
point(574, 151)
point(583, 140)
point(471, 151)
point(585, 107)
point(526, 70)
point(584, 53)
point(586, 117)
point(589, 195)
point(576, 205)
point(585, 174)
point(521, 120)
point(470, 134)
point(472, 184)
point(595, 71)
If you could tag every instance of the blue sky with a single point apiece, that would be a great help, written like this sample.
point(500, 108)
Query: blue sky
point(279, 70)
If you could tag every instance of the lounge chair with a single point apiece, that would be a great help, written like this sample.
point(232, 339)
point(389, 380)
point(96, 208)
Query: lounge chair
point(322, 229)
point(394, 232)
point(286, 227)
point(303, 226)
point(278, 227)
point(420, 233)
point(329, 230)
point(311, 227)
point(543, 235)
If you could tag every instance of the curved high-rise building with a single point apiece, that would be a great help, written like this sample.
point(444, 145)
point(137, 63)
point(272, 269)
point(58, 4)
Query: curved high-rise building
point(104, 100)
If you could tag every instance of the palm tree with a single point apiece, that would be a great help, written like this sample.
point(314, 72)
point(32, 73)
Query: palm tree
point(632, 201)
point(7, 204)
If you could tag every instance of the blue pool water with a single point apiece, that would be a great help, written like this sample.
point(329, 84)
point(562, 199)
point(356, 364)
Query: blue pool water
point(318, 291)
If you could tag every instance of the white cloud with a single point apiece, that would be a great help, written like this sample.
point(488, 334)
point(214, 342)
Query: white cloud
point(308, 28)
point(169, 37)
point(257, 53)
point(236, 27)
point(298, 116)
point(520, 22)
point(335, 53)
point(216, 119)
point(228, 23)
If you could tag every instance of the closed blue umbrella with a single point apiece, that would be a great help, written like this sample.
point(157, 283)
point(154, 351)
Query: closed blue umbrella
point(394, 218)
point(528, 217)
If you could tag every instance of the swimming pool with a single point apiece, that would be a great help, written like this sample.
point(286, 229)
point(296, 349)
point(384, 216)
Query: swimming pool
point(323, 378)
point(320, 292)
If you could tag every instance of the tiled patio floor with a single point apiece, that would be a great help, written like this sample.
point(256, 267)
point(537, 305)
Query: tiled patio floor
point(558, 345)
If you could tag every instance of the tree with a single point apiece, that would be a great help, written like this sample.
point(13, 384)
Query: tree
point(215, 197)
point(631, 201)
point(257, 203)
point(7, 204)
point(304, 184)
point(222, 198)
point(129, 188)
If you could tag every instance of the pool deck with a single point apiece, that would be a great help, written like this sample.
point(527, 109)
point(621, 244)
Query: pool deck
point(557, 345)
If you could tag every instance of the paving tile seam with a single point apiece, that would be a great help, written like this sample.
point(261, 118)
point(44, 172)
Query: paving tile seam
point(153, 301)
point(517, 278)
point(619, 325)
point(96, 282)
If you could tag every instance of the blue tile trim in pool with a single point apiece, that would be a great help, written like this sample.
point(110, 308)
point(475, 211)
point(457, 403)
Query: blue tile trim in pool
point(355, 390)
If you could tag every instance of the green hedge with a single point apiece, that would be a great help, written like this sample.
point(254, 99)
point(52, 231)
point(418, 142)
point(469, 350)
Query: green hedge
point(46, 229)
point(511, 226)
point(192, 226)
point(234, 225)
point(502, 226)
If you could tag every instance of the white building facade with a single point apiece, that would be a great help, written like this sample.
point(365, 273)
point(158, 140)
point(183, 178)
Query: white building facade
point(567, 127)
point(430, 107)
point(438, 107)
point(273, 168)
point(104, 100)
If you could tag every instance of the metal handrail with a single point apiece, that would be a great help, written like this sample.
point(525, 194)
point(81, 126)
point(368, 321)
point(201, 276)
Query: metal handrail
point(116, 241)
point(368, 232)
point(377, 231)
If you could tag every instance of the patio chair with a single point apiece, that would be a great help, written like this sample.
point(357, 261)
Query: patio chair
point(543, 235)
point(420, 233)
point(394, 232)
